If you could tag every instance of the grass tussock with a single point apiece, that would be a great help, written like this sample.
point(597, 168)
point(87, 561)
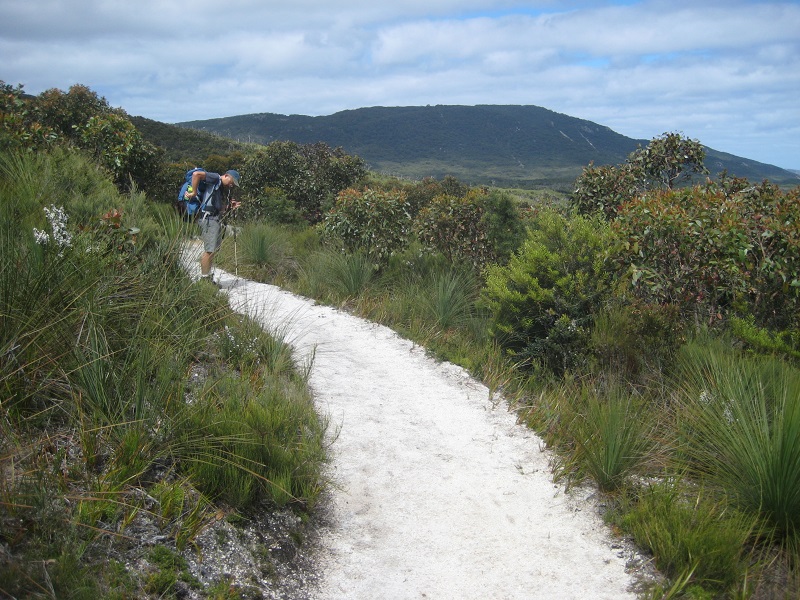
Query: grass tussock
point(741, 430)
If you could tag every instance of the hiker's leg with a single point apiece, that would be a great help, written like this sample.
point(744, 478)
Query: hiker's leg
point(212, 239)
point(205, 263)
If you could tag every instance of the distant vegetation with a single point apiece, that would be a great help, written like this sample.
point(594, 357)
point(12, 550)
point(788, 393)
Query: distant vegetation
point(646, 325)
point(504, 146)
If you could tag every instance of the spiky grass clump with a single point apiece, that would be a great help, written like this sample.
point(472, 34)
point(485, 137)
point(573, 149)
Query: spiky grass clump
point(613, 437)
point(265, 248)
point(450, 297)
point(335, 276)
point(605, 434)
point(741, 428)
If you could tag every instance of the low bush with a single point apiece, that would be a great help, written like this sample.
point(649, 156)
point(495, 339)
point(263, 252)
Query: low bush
point(542, 303)
point(375, 223)
point(100, 331)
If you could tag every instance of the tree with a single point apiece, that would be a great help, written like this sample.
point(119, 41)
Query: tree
point(20, 124)
point(116, 144)
point(668, 159)
point(66, 112)
point(660, 166)
point(80, 119)
point(310, 175)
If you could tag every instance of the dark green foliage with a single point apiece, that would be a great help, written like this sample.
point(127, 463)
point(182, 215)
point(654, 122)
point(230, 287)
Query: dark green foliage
point(370, 221)
point(502, 221)
point(635, 341)
point(262, 444)
point(612, 435)
point(478, 228)
point(271, 205)
point(543, 301)
point(311, 176)
point(715, 254)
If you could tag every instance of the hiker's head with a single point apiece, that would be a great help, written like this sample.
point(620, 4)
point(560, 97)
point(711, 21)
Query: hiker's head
point(230, 178)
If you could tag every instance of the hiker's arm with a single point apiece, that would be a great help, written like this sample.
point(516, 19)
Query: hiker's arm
point(197, 177)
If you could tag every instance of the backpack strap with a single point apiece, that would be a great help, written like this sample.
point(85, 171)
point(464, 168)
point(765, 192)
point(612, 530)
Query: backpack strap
point(208, 194)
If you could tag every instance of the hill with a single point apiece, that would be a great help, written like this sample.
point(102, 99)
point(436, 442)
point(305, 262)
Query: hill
point(505, 145)
point(181, 145)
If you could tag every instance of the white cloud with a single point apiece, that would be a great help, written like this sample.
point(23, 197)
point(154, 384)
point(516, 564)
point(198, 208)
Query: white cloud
point(727, 73)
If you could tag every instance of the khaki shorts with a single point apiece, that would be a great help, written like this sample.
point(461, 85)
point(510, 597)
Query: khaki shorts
point(210, 233)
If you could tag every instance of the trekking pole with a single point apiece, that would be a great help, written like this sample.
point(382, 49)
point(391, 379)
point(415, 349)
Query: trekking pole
point(235, 231)
point(235, 254)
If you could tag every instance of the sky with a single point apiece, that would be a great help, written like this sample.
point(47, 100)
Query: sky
point(725, 73)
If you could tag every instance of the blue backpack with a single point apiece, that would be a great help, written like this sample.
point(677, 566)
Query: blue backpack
point(190, 208)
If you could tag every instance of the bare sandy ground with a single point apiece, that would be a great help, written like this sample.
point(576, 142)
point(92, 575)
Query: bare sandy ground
point(437, 491)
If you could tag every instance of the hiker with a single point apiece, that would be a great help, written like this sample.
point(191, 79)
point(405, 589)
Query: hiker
point(216, 202)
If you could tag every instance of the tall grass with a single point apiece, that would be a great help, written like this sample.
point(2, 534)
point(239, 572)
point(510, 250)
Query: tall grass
point(265, 247)
point(741, 429)
point(700, 543)
point(336, 276)
point(449, 297)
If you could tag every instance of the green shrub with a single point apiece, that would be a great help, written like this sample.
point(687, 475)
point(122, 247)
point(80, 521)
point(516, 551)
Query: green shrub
point(761, 339)
point(543, 301)
point(375, 223)
point(245, 345)
point(635, 340)
point(478, 228)
point(271, 205)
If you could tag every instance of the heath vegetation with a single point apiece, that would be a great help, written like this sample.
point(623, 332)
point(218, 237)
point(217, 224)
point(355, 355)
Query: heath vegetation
point(646, 326)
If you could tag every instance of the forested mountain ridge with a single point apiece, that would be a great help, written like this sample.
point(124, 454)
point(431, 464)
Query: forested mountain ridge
point(507, 145)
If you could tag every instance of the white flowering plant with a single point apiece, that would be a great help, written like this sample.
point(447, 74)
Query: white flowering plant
point(59, 236)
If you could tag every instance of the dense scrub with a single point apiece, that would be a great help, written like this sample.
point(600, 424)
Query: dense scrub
point(129, 393)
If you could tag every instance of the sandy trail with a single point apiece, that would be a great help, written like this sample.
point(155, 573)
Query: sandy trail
point(438, 492)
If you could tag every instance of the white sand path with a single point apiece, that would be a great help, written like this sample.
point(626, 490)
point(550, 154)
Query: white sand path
point(438, 493)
